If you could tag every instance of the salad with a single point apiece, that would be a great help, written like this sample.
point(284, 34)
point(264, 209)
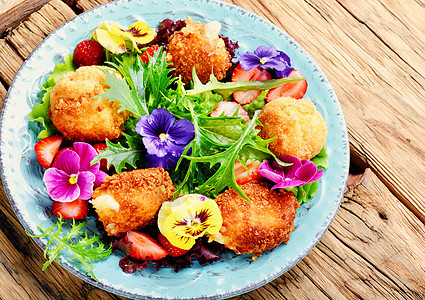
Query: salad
point(181, 147)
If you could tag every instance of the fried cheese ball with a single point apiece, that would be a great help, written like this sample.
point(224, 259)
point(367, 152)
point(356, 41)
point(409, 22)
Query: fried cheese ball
point(300, 129)
point(256, 226)
point(131, 200)
point(79, 116)
point(198, 45)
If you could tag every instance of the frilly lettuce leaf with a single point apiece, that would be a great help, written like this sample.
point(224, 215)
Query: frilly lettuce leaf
point(39, 111)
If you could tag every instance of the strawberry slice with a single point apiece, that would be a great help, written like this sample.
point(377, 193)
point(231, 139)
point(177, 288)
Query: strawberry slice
point(103, 162)
point(149, 52)
point(294, 90)
point(46, 149)
point(88, 53)
point(242, 175)
point(77, 209)
point(229, 108)
point(144, 247)
point(59, 153)
point(251, 75)
point(172, 250)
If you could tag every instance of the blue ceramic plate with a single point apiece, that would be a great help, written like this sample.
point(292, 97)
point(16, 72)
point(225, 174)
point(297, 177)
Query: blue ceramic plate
point(233, 275)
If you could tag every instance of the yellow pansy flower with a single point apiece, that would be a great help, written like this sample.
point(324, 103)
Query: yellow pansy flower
point(188, 218)
point(117, 40)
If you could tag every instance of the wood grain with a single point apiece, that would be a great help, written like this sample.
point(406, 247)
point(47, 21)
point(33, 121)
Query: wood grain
point(12, 12)
point(31, 32)
point(377, 80)
point(372, 52)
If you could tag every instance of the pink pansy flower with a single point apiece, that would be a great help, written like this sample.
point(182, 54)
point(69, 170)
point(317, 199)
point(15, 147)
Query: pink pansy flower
point(298, 173)
point(72, 176)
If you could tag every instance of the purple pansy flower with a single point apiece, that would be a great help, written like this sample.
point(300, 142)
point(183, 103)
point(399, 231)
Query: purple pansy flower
point(298, 173)
point(164, 138)
point(267, 58)
point(72, 176)
point(287, 69)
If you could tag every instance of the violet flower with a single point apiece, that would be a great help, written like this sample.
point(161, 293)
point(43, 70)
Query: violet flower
point(297, 174)
point(72, 176)
point(164, 138)
point(267, 58)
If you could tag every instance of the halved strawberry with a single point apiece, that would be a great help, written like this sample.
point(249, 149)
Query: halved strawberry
point(295, 89)
point(172, 250)
point(149, 52)
point(103, 162)
point(46, 149)
point(242, 175)
point(77, 209)
point(229, 108)
point(144, 247)
point(88, 53)
point(59, 152)
point(251, 75)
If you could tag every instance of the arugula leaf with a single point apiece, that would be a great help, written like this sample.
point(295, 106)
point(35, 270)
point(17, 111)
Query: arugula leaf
point(84, 249)
point(143, 86)
point(39, 111)
point(257, 104)
point(119, 156)
point(225, 89)
point(246, 146)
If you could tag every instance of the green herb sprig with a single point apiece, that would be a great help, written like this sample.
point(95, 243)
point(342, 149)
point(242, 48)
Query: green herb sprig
point(84, 249)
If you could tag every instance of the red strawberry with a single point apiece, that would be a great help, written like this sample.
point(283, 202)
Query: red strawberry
point(103, 161)
point(57, 154)
point(251, 75)
point(172, 250)
point(144, 247)
point(46, 149)
point(88, 53)
point(295, 89)
point(229, 108)
point(149, 52)
point(77, 209)
point(242, 175)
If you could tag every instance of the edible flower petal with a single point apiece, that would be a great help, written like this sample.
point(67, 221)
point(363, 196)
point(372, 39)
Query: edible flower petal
point(164, 138)
point(72, 176)
point(117, 40)
point(267, 58)
point(298, 173)
point(188, 218)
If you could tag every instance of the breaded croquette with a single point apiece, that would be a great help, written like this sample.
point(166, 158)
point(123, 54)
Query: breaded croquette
point(79, 116)
point(299, 128)
point(256, 226)
point(198, 45)
point(131, 200)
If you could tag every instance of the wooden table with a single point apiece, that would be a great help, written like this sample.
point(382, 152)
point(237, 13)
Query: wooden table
point(373, 53)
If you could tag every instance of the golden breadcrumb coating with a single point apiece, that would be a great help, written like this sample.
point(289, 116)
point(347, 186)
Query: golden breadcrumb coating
point(131, 200)
point(77, 115)
point(300, 129)
point(256, 226)
point(198, 45)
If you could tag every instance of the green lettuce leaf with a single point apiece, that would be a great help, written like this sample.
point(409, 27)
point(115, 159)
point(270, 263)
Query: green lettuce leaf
point(225, 89)
point(39, 111)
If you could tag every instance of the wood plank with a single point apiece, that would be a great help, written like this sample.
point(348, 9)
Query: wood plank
point(12, 12)
point(10, 62)
point(3, 93)
point(31, 32)
point(373, 249)
point(22, 261)
point(85, 5)
point(380, 93)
